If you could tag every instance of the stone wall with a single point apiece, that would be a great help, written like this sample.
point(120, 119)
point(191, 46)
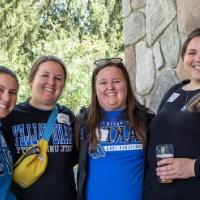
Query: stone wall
point(153, 33)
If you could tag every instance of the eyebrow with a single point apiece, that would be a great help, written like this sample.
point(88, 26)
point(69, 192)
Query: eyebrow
point(104, 79)
point(191, 49)
point(11, 89)
point(46, 72)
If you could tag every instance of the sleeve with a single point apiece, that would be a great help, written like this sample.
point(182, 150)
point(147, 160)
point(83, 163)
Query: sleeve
point(197, 168)
point(9, 137)
point(75, 153)
point(146, 114)
point(150, 115)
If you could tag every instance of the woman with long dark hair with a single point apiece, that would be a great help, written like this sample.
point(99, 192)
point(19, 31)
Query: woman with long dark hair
point(111, 137)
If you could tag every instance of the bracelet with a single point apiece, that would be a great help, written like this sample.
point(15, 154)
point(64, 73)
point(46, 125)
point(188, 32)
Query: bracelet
point(197, 168)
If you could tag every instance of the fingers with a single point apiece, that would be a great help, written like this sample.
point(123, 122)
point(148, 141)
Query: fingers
point(165, 169)
point(166, 161)
point(166, 175)
point(175, 168)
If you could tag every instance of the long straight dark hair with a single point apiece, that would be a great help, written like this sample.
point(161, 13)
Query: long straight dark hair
point(95, 115)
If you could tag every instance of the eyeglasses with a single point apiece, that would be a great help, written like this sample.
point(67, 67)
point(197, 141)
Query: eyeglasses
point(106, 61)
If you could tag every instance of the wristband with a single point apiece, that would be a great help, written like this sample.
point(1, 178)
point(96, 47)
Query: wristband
point(197, 168)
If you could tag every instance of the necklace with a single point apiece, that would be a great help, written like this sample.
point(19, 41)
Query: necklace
point(186, 101)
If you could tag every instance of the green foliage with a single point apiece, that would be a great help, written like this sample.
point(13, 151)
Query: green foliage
point(76, 31)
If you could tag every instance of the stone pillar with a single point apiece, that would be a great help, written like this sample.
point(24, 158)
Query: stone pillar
point(153, 33)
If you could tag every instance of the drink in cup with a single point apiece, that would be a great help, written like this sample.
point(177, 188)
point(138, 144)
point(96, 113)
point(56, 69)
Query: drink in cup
point(164, 151)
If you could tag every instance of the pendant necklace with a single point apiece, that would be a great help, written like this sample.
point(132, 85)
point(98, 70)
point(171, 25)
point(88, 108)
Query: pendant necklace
point(186, 101)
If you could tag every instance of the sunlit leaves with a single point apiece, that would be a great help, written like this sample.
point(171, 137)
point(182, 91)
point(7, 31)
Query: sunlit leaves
point(77, 31)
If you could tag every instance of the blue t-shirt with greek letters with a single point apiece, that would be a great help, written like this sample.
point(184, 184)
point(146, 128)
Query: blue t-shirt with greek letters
point(115, 169)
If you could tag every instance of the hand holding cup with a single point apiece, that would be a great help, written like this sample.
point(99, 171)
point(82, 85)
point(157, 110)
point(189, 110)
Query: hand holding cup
point(164, 151)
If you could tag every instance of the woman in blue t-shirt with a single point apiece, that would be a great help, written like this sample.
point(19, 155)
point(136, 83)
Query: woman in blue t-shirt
point(8, 96)
point(111, 135)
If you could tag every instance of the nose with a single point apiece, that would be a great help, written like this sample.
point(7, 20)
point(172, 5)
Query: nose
point(6, 96)
point(197, 57)
point(110, 85)
point(51, 80)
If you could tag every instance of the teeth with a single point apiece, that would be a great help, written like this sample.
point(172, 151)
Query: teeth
point(49, 89)
point(111, 94)
point(3, 106)
point(196, 66)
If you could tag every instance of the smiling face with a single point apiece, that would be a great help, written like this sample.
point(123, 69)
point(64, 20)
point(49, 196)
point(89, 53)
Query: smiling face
point(8, 94)
point(47, 85)
point(191, 60)
point(111, 88)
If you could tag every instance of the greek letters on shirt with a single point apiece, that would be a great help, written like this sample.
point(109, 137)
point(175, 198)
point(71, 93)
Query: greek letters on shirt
point(115, 136)
point(116, 132)
point(29, 134)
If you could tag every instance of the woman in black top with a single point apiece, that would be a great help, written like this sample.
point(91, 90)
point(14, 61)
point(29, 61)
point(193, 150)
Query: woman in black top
point(25, 126)
point(177, 125)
